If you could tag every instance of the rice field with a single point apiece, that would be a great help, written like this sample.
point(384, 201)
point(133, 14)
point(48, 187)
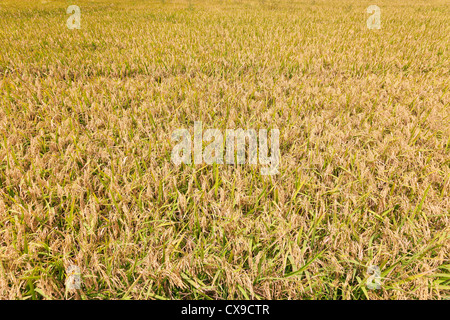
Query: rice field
point(87, 118)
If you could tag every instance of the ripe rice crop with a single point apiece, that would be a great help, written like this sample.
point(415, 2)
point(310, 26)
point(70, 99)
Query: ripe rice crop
point(86, 177)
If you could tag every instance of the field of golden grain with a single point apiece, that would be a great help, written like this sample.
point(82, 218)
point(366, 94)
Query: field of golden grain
point(86, 177)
